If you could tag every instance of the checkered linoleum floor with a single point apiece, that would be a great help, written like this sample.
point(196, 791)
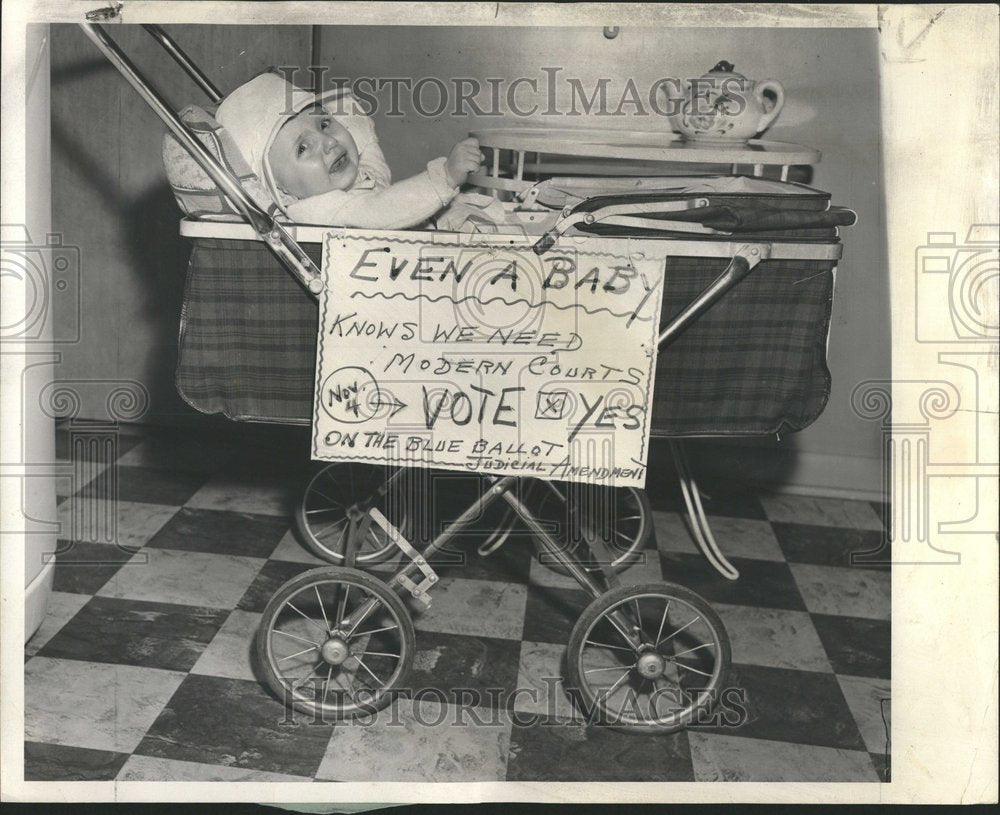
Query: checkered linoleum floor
point(142, 668)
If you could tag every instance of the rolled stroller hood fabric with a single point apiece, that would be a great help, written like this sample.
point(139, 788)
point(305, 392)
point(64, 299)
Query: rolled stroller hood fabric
point(570, 191)
point(784, 211)
point(732, 220)
point(737, 217)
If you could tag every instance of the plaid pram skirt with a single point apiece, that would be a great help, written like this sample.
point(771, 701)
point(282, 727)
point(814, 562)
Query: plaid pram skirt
point(754, 364)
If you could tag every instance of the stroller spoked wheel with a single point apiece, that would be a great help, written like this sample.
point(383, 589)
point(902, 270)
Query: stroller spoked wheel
point(335, 643)
point(621, 517)
point(649, 658)
point(334, 493)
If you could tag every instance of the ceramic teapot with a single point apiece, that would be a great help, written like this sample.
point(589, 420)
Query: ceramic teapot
point(721, 107)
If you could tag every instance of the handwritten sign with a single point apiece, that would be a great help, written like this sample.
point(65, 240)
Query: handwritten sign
point(473, 353)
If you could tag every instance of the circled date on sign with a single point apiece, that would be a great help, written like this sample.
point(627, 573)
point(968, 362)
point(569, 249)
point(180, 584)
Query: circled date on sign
point(351, 395)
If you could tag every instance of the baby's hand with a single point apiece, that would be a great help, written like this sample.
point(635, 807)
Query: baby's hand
point(464, 158)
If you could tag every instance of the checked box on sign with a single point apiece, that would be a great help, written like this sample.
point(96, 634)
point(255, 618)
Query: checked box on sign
point(551, 404)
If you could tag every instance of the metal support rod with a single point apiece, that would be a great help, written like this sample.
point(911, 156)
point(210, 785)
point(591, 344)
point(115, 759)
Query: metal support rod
point(628, 630)
point(474, 511)
point(357, 531)
point(595, 544)
point(496, 168)
point(552, 547)
point(182, 59)
point(274, 235)
point(738, 268)
point(700, 528)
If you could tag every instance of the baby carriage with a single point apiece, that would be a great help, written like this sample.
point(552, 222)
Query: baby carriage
point(339, 640)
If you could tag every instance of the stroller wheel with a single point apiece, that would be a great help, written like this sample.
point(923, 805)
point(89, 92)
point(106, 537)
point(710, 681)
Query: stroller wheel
point(322, 516)
point(335, 643)
point(622, 517)
point(650, 658)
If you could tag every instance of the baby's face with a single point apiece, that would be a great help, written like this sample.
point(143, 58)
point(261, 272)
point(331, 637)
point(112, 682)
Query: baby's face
point(313, 154)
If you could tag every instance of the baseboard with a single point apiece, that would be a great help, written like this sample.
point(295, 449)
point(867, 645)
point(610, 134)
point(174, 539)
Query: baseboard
point(36, 598)
point(762, 463)
point(791, 471)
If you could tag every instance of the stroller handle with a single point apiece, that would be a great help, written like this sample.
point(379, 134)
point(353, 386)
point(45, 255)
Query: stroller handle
point(273, 233)
point(182, 59)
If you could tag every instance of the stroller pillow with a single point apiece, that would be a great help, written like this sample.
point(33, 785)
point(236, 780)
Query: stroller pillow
point(197, 194)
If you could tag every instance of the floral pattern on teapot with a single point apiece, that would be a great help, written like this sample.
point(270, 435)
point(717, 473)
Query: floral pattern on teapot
point(722, 106)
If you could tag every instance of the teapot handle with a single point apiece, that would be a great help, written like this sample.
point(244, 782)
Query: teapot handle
point(779, 93)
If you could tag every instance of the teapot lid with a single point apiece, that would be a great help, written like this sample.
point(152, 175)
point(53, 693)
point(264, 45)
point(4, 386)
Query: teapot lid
point(722, 70)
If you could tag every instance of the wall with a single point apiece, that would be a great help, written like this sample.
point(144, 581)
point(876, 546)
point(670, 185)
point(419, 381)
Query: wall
point(110, 196)
point(831, 83)
point(37, 433)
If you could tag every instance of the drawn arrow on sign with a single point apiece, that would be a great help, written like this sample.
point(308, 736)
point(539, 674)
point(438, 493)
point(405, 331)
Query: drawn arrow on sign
point(394, 404)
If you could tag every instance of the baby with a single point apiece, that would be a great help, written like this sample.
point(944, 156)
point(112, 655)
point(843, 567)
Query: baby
point(323, 165)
